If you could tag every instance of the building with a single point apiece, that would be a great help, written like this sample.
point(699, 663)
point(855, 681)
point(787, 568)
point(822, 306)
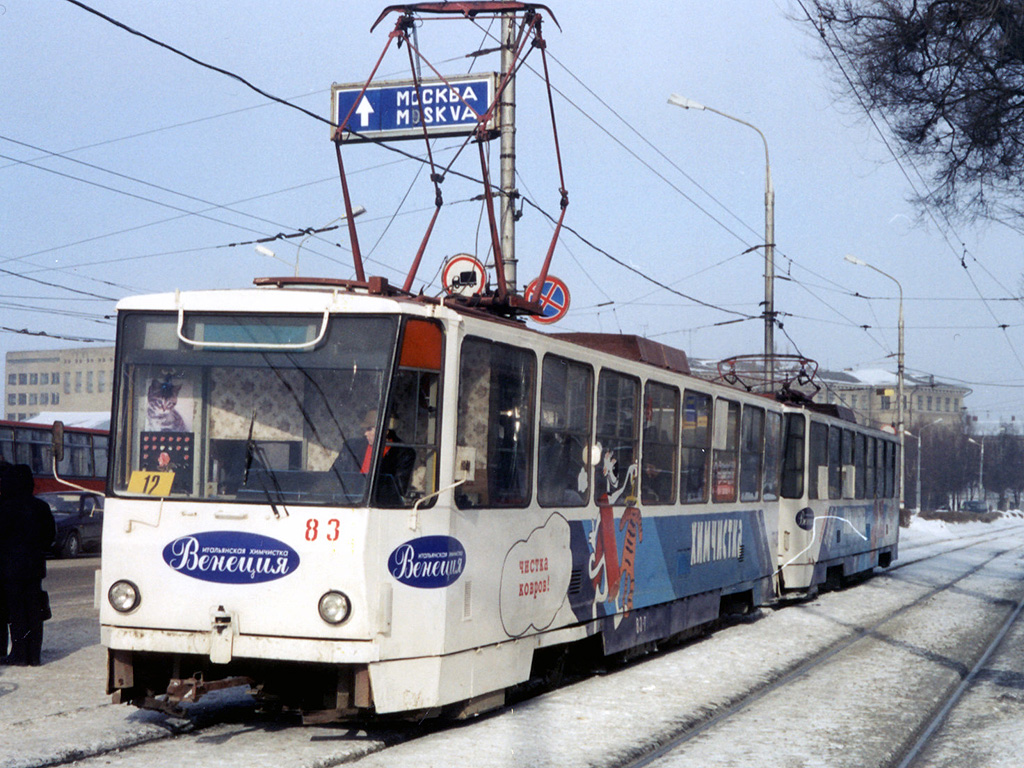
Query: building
point(872, 396)
point(61, 380)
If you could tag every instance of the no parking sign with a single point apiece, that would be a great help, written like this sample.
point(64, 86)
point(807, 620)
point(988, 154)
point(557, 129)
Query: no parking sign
point(553, 299)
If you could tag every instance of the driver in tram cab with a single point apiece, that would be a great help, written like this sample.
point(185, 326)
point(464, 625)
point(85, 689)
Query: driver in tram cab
point(396, 464)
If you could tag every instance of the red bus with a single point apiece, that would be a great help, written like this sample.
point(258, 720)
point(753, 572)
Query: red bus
point(85, 454)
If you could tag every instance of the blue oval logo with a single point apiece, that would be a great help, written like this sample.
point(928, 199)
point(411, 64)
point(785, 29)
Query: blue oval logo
point(231, 557)
point(428, 562)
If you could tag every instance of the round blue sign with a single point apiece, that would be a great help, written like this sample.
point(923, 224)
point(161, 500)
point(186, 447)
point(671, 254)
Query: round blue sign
point(428, 562)
point(231, 557)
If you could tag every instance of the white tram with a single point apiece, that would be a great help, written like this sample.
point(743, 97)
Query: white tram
point(361, 502)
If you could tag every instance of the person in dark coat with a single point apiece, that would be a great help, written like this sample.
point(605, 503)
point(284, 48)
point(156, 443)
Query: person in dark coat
point(5, 470)
point(26, 533)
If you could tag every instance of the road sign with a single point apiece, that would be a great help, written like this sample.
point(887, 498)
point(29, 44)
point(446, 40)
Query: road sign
point(554, 299)
point(396, 110)
point(463, 275)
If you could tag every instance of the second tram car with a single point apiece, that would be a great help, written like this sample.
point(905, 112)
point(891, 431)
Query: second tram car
point(361, 502)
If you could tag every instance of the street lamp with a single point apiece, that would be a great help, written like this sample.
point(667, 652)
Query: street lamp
point(917, 437)
point(899, 364)
point(769, 236)
point(981, 464)
point(262, 250)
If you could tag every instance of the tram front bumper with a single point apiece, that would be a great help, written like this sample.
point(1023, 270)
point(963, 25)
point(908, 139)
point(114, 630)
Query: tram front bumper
point(221, 649)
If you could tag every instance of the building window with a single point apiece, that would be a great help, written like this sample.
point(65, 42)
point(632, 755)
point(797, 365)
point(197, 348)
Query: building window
point(33, 378)
point(44, 378)
point(853, 401)
point(55, 378)
point(33, 399)
point(22, 378)
point(54, 399)
point(88, 381)
point(12, 378)
point(886, 403)
point(101, 381)
point(22, 400)
point(78, 381)
point(12, 399)
point(44, 398)
point(956, 403)
point(920, 402)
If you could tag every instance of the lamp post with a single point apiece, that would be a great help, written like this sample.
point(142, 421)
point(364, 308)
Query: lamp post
point(981, 464)
point(917, 437)
point(769, 236)
point(899, 365)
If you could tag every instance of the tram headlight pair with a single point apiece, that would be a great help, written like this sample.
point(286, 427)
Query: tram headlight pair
point(124, 596)
point(335, 607)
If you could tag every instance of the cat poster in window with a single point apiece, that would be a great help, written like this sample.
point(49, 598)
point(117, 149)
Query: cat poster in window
point(169, 404)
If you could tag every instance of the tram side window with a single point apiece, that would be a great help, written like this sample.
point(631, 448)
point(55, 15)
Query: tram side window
point(494, 441)
point(869, 468)
point(661, 419)
point(772, 456)
point(793, 457)
point(880, 469)
point(835, 466)
point(618, 401)
point(35, 448)
point(566, 397)
point(848, 473)
point(696, 434)
point(725, 451)
point(6, 445)
point(859, 464)
point(99, 448)
point(751, 448)
point(818, 479)
point(890, 472)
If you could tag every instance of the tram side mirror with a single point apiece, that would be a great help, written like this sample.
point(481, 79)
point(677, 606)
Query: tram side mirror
point(57, 438)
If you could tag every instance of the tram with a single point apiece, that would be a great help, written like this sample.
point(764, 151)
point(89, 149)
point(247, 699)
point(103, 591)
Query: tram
point(528, 491)
point(358, 500)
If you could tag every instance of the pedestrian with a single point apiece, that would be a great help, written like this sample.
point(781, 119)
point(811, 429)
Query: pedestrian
point(26, 533)
point(5, 470)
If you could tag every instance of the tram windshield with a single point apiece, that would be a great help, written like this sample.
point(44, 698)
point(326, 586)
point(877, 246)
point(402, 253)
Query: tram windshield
point(283, 409)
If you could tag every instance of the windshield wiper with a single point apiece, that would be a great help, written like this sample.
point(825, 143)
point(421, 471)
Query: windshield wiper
point(254, 450)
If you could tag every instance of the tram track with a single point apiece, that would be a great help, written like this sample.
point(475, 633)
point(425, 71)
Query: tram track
point(245, 732)
point(903, 758)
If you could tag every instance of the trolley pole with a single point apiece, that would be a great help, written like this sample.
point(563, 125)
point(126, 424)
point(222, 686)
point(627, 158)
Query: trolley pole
point(507, 111)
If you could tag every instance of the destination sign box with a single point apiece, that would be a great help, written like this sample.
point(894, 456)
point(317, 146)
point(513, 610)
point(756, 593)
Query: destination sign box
point(395, 109)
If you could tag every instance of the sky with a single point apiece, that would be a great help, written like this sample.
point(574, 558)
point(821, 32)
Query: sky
point(125, 168)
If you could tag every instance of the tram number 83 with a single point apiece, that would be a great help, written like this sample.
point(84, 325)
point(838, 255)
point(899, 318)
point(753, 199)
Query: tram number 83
point(332, 529)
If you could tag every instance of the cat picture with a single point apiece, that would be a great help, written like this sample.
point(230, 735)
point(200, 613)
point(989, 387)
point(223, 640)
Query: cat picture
point(161, 411)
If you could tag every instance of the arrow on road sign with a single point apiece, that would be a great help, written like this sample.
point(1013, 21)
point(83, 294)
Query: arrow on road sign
point(364, 110)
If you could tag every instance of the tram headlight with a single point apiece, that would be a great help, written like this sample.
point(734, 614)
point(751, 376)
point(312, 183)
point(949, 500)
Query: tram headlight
point(335, 607)
point(124, 596)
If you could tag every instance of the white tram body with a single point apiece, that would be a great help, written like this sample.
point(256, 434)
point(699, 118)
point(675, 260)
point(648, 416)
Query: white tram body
point(526, 492)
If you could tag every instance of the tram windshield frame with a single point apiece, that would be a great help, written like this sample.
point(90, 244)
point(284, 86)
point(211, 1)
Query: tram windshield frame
point(276, 419)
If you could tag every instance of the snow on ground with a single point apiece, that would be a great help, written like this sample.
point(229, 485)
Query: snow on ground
point(61, 708)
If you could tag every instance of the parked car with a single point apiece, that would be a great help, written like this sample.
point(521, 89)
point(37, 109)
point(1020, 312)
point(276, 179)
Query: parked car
point(79, 520)
point(975, 507)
